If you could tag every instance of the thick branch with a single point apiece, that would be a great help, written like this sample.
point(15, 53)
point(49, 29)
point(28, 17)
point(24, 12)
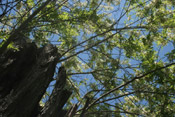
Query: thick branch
point(85, 106)
point(58, 98)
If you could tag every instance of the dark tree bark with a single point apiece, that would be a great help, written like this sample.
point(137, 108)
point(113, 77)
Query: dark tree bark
point(58, 98)
point(24, 77)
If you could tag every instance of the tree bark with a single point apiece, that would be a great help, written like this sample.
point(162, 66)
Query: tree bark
point(24, 77)
point(58, 98)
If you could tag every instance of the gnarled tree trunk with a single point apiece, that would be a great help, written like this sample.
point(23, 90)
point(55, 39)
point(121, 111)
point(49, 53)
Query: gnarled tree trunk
point(24, 77)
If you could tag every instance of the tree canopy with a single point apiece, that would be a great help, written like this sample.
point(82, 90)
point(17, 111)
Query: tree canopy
point(119, 54)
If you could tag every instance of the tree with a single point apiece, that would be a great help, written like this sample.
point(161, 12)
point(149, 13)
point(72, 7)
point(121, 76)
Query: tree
point(116, 57)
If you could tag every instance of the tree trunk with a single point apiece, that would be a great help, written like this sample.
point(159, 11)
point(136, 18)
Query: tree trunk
point(24, 77)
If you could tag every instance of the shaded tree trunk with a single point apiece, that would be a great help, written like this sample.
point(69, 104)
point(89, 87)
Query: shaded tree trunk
point(25, 75)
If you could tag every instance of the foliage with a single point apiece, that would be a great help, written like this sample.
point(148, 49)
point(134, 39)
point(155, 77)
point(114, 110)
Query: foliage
point(120, 53)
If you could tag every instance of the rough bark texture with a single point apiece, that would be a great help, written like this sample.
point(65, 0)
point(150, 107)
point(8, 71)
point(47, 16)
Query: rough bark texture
point(58, 98)
point(24, 77)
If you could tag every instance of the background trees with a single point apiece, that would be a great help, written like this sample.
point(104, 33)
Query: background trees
point(119, 55)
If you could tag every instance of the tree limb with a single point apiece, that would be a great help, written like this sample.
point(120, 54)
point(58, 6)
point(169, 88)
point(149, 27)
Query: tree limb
point(126, 83)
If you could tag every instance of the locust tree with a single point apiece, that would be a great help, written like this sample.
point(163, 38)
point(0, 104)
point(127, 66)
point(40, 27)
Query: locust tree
point(116, 57)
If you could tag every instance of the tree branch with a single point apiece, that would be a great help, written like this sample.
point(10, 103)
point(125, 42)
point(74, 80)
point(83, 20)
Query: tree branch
point(22, 26)
point(85, 106)
point(126, 83)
